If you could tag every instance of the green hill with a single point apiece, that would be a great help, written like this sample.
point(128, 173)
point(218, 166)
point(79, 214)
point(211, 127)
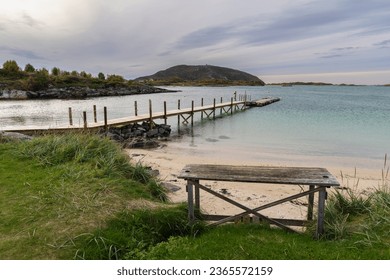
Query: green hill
point(201, 75)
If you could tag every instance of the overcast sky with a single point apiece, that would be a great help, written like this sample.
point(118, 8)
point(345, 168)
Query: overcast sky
point(302, 40)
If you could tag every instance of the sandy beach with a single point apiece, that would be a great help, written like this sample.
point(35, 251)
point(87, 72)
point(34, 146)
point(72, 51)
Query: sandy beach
point(170, 159)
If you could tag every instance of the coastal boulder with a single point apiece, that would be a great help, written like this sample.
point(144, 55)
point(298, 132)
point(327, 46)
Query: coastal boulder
point(13, 94)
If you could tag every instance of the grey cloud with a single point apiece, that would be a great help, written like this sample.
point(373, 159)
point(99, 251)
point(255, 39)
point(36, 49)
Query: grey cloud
point(383, 44)
point(302, 22)
point(21, 52)
point(30, 21)
point(331, 56)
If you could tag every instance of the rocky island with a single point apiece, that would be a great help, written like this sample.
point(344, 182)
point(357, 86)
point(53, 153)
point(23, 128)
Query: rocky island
point(201, 75)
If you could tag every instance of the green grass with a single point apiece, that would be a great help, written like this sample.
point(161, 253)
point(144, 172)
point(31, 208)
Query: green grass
point(257, 242)
point(76, 196)
point(55, 188)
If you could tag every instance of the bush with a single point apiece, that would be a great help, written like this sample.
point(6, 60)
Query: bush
point(38, 81)
point(10, 67)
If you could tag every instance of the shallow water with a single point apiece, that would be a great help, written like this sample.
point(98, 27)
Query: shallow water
point(322, 123)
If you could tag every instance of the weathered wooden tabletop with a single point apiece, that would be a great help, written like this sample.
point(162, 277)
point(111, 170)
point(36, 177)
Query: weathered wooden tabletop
point(260, 174)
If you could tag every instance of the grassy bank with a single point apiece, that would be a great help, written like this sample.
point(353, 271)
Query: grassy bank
point(78, 197)
point(60, 196)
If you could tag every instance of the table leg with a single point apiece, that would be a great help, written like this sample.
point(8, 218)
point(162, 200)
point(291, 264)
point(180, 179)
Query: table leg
point(197, 195)
point(321, 211)
point(191, 211)
point(310, 204)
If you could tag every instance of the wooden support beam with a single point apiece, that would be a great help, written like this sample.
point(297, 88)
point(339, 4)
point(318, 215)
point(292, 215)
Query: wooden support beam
point(165, 112)
point(247, 209)
point(201, 104)
point(192, 113)
point(321, 212)
point(70, 116)
point(85, 119)
point(94, 114)
point(150, 114)
point(310, 204)
point(105, 118)
point(268, 205)
point(135, 108)
point(214, 110)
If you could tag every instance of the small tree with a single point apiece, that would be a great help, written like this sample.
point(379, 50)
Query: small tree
point(101, 76)
point(55, 71)
point(115, 80)
point(11, 67)
point(29, 68)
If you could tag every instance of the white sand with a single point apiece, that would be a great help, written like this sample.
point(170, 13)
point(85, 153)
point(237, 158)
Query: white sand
point(170, 160)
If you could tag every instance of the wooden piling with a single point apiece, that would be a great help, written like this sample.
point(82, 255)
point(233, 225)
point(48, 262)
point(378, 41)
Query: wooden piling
point(94, 114)
point(214, 110)
point(150, 114)
point(135, 108)
point(178, 116)
point(105, 118)
point(220, 110)
point(165, 112)
point(85, 119)
point(192, 113)
point(231, 106)
point(201, 114)
point(70, 116)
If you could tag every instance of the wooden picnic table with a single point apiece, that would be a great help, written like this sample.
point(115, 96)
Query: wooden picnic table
point(317, 180)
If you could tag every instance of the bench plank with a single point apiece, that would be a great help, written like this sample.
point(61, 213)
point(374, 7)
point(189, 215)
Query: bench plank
point(260, 174)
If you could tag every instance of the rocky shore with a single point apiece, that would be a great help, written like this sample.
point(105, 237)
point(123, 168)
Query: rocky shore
point(75, 92)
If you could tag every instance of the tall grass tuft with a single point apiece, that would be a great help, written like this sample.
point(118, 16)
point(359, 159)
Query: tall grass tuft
point(105, 157)
point(365, 219)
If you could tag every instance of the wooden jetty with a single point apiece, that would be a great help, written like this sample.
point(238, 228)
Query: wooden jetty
point(185, 115)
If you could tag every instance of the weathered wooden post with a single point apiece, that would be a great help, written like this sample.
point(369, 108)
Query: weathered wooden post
point(310, 204)
point(70, 116)
point(105, 119)
point(214, 110)
point(192, 113)
point(321, 211)
point(94, 114)
point(201, 114)
point(165, 112)
point(220, 110)
point(135, 108)
point(231, 106)
point(150, 114)
point(85, 119)
point(178, 115)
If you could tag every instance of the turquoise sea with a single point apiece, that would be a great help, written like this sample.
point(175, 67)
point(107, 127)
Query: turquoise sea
point(335, 125)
